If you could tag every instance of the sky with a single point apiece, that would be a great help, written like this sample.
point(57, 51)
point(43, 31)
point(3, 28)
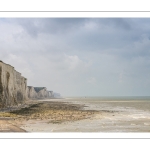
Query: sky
point(80, 56)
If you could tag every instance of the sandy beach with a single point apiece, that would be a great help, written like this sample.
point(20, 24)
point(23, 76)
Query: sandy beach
point(78, 115)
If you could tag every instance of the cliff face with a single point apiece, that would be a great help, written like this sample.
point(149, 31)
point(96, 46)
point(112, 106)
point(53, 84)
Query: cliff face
point(41, 92)
point(14, 90)
point(31, 93)
point(51, 94)
point(38, 93)
point(12, 86)
point(56, 95)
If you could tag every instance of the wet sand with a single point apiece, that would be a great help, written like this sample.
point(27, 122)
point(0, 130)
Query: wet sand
point(82, 115)
point(7, 126)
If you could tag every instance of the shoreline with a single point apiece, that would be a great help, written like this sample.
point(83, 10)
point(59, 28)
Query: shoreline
point(49, 111)
point(78, 115)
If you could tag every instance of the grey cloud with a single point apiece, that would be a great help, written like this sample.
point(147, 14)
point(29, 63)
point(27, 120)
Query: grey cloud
point(80, 56)
point(49, 25)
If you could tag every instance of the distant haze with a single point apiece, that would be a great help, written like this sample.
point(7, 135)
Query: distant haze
point(80, 56)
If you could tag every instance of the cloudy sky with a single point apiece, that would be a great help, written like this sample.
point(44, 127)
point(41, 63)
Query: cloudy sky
point(80, 56)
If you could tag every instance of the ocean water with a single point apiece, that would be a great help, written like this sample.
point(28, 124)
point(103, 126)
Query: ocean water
point(113, 103)
point(117, 114)
point(111, 98)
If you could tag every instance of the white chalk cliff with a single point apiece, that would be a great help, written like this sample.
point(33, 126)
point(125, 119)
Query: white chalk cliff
point(12, 86)
point(14, 89)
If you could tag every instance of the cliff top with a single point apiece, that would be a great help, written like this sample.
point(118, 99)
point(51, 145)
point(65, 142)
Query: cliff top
point(37, 89)
point(6, 64)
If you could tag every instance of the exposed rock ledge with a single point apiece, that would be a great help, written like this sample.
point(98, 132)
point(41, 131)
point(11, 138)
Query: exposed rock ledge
point(14, 89)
